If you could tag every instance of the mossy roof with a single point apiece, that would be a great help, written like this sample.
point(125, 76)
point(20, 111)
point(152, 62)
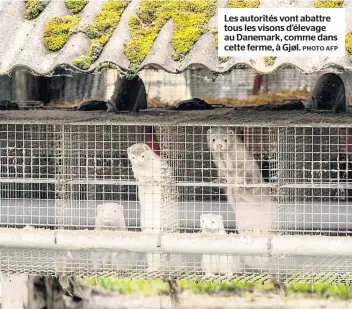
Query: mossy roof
point(93, 33)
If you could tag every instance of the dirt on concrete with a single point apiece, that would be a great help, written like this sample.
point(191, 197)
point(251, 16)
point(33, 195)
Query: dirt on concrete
point(159, 116)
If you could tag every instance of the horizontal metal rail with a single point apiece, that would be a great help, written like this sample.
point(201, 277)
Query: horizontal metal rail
point(197, 243)
point(127, 182)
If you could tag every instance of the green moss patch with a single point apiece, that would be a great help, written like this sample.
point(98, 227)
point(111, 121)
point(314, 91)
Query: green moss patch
point(57, 31)
point(84, 62)
point(34, 8)
point(243, 4)
point(328, 4)
point(348, 44)
point(158, 287)
point(100, 31)
point(76, 6)
point(269, 61)
point(106, 65)
point(190, 19)
point(106, 22)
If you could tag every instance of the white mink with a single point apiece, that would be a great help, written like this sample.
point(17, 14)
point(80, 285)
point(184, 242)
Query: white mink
point(235, 164)
point(217, 263)
point(147, 170)
point(110, 216)
point(254, 207)
point(255, 210)
point(150, 172)
point(146, 164)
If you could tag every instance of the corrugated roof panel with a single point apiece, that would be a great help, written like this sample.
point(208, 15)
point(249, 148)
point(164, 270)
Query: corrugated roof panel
point(21, 42)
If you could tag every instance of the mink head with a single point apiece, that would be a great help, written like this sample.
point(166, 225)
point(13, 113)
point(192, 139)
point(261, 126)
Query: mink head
point(211, 222)
point(110, 214)
point(138, 154)
point(219, 139)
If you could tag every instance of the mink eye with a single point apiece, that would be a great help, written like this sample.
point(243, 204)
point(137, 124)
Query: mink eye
point(225, 140)
point(143, 156)
point(213, 221)
point(213, 139)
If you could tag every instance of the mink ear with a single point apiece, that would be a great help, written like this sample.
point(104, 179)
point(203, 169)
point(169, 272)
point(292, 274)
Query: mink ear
point(231, 132)
point(209, 131)
point(129, 150)
point(146, 147)
point(99, 207)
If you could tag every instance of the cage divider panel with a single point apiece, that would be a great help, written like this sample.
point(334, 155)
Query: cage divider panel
point(61, 175)
point(168, 139)
point(273, 166)
point(307, 165)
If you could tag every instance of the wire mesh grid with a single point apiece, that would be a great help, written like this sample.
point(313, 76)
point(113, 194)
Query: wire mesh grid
point(314, 172)
point(133, 265)
point(213, 180)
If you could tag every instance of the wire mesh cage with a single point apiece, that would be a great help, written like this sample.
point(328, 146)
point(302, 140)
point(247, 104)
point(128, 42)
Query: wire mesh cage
point(218, 194)
point(181, 194)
